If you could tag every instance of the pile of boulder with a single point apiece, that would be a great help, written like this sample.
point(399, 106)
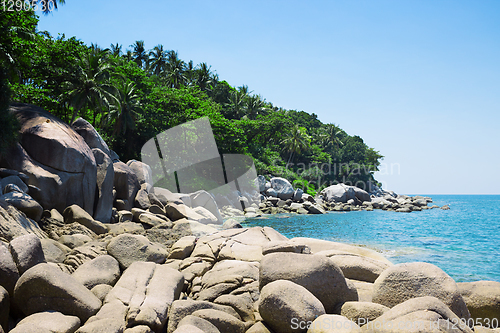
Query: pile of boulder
point(88, 245)
point(341, 197)
point(252, 280)
point(277, 195)
point(56, 166)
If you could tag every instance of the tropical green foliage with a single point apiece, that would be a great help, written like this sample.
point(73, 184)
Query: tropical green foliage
point(10, 125)
point(297, 141)
point(90, 87)
point(132, 95)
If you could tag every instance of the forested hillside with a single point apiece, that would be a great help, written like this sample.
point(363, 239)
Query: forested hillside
point(132, 93)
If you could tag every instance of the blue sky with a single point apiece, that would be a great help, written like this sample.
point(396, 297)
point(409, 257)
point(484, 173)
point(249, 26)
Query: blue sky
point(417, 80)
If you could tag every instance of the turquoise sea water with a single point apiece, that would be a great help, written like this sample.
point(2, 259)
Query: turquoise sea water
point(463, 241)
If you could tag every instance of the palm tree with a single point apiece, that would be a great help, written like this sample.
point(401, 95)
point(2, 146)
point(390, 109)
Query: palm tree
point(157, 60)
point(244, 89)
point(174, 72)
point(255, 105)
point(331, 137)
point(204, 77)
point(237, 103)
point(90, 88)
point(13, 31)
point(297, 141)
point(189, 72)
point(125, 109)
point(116, 49)
point(140, 56)
point(97, 49)
point(129, 55)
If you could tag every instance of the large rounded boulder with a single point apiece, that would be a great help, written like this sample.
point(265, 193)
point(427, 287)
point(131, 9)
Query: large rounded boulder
point(283, 188)
point(126, 183)
point(46, 288)
point(482, 299)
point(90, 135)
point(402, 282)
point(287, 306)
point(55, 158)
point(356, 266)
point(422, 314)
point(333, 324)
point(127, 249)
point(338, 193)
point(318, 274)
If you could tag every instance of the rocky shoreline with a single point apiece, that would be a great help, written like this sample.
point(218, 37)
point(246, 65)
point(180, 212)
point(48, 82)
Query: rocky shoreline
point(88, 245)
point(277, 195)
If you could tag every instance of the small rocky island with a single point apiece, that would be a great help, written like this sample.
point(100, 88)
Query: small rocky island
point(88, 245)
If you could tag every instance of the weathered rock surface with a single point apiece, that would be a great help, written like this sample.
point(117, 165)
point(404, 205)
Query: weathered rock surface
point(126, 183)
point(142, 171)
point(364, 289)
point(101, 291)
point(90, 135)
point(183, 308)
point(482, 299)
point(45, 288)
point(421, 314)
point(259, 327)
point(318, 274)
point(8, 270)
point(75, 240)
point(148, 290)
point(362, 312)
point(105, 181)
point(193, 323)
point(355, 266)
point(127, 249)
point(187, 328)
point(14, 223)
point(24, 203)
point(4, 309)
point(402, 282)
point(125, 227)
point(220, 319)
point(328, 323)
point(282, 302)
point(109, 319)
point(318, 245)
point(338, 193)
point(55, 158)
point(242, 303)
point(282, 187)
point(246, 244)
point(180, 211)
point(188, 227)
point(182, 248)
point(51, 321)
point(142, 200)
point(206, 200)
point(101, 270)
point(75, 213)
point(27, 252)
point(209, 218)
point(54, 251)
point(284, 246)
point(12, 180)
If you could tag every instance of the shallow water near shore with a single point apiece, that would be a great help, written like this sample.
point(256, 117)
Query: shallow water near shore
point(463, 241)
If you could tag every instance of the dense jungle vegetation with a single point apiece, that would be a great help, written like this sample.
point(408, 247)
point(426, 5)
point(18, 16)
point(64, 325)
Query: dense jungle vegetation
point(132, 94)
